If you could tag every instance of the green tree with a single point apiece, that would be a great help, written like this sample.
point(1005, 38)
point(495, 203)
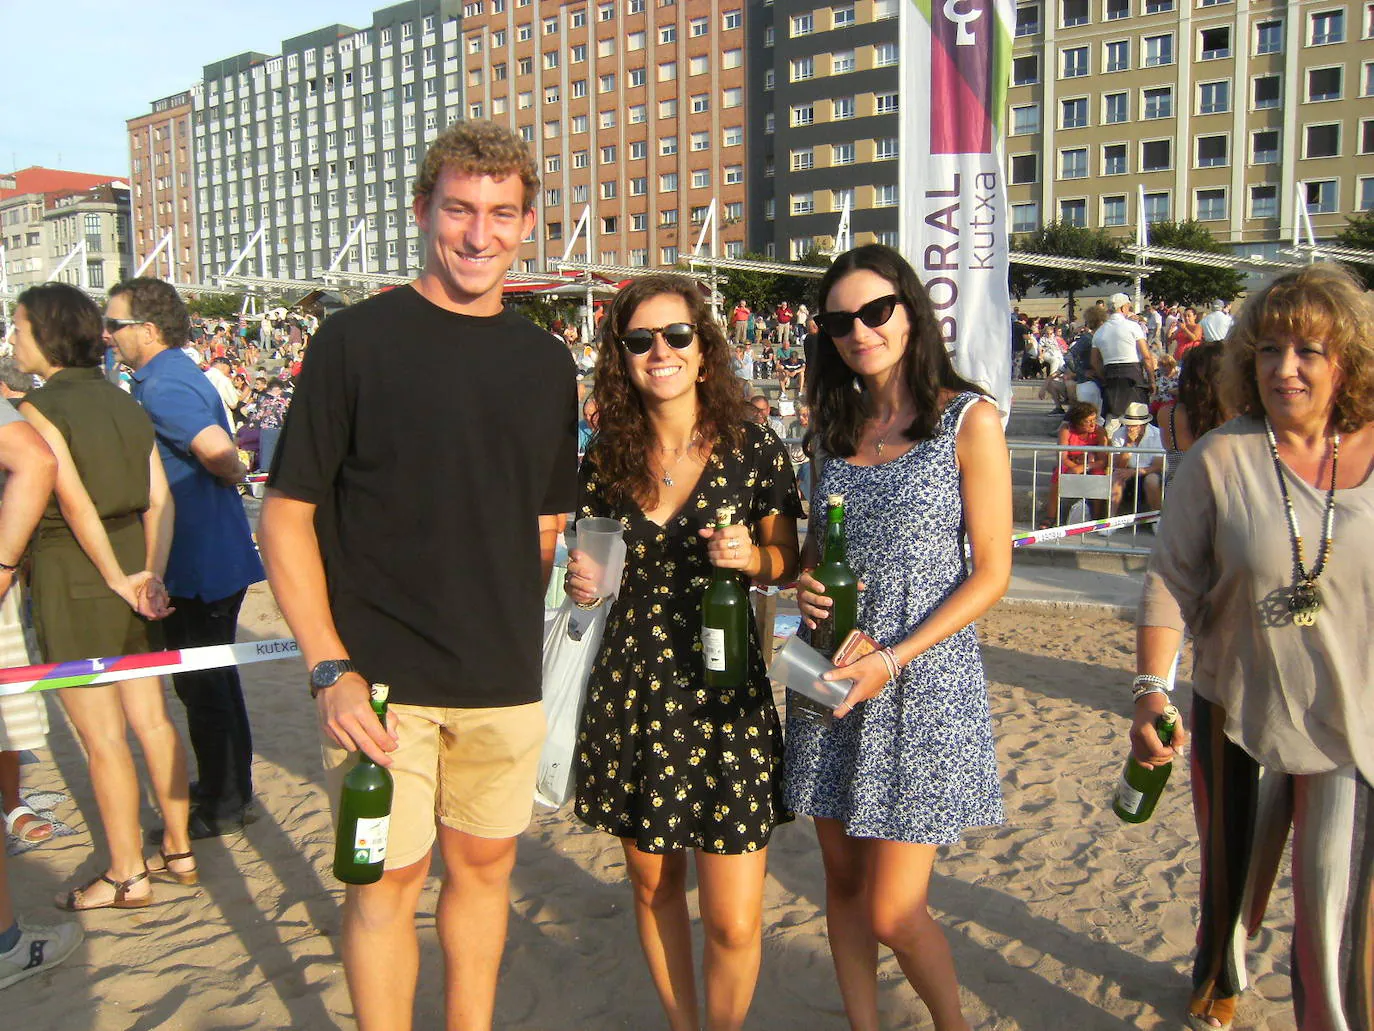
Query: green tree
point(215, 306)
point(1359, 234)
point(1179, 282)
point(1064, 240)
point(763, 290)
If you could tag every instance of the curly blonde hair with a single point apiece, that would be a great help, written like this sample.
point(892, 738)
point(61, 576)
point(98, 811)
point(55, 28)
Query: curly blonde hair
point(477, 148)
point(1320, 302)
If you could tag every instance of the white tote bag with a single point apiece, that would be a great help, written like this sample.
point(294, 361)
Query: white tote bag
point(567, 664)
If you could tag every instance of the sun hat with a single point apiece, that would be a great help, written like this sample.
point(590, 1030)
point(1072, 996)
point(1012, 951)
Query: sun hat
point(1137, 414)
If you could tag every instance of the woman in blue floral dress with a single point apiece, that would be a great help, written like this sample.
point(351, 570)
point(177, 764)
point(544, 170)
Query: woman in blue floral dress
point(908, 762)
point(666, 763)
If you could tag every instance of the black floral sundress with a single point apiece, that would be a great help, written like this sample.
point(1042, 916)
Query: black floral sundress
point(662, 759)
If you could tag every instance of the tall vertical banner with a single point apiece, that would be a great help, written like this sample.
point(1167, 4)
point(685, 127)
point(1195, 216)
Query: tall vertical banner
point(954, 70)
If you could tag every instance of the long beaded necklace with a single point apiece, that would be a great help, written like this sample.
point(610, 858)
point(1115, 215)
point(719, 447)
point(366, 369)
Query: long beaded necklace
point(1305, 600)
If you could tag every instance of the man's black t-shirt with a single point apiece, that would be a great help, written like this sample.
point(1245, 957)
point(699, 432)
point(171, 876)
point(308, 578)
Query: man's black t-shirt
point(432, 442)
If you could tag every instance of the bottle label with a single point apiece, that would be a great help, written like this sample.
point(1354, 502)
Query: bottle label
point(1127, 797)
point(713, 648)
point(369, 839)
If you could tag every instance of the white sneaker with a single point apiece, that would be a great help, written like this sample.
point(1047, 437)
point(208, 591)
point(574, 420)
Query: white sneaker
point(39, 949)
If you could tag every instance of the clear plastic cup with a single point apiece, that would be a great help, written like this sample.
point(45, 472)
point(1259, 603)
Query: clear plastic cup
point(602, 542)
point(798, 667)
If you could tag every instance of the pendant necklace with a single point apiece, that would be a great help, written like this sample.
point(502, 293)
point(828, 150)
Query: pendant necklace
point(669, 470)
point(1304, 599)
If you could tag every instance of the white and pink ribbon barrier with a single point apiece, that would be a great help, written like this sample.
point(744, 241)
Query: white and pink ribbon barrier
point(91, 672)
point(1055, 533)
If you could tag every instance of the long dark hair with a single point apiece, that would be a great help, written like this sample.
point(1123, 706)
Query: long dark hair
point(622, 431)
point(838, 410)
point(1199, 391)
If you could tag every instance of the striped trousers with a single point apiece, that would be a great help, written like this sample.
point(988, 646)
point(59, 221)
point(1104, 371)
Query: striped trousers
point(1244, 814)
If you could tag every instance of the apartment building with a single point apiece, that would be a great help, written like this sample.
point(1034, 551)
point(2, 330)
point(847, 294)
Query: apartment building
point(46, 213)
point(296, 152)
point(1221, 110)
point(823, 131)
point(163, 194)
point(635, 111)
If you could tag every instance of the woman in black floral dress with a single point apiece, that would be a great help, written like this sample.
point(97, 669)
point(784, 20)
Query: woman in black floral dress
point(665, 763)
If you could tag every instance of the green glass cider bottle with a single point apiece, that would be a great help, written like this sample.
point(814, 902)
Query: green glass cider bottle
point(839, 581)
point(1138, 790)
point(725, 622)
point(364, 813)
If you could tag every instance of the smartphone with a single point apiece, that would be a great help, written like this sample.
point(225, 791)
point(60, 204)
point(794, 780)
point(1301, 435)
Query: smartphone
point(854, 647)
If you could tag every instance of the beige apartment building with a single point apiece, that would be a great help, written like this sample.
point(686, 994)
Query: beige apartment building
point(47, 214)
point(1221, 110)
point(635, 108)
point(163, 195)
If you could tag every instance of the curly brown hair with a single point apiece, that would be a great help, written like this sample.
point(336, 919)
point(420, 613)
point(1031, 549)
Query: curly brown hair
point(622, 432)
point(1320, 302)
point(1198, 391)
point(477, 148)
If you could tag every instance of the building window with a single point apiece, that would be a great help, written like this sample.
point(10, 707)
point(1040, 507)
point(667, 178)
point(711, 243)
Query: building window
point(843, 153)
point(734, 174)
point(1214, 97)
point(884, 55)
point(1264, 147)
point(1073, 12)
point(1326, 27)
point(1074, 212)
point(1159, 50)
point(1114, 159)
point(885, 103)
point(803, 203)
point(1367, 136)
point(732, 136)
point(731, 97)
point(1116, 55)
point(1073, 113)
point(634, 41)
point(1025, 218)
point(1210, 204)
point(639, 186)
point(701, 178)
point(700, 140)
point(1159, 102)
point(1264, 201)
point(1367, 89)
point(667, 182)
point(1265, 91)
point(885, 149)
point(701, 103)
point(698, 64)
point(1215, 43)
point(802, 68)
point(803, 114)
point(1213, 151)
point(885, 196)
point(1025, 120)
point(1269, 37)
point(1117, 9)
point(1025, 168)
point(637, 114)
point(842, 16)
point(803, 159)
point(842, 62)
point(1074, 62)
point(841, 108)
point(1114, 211)
point(1116, 107)
point(1325, 83)
point(1073, 164)
point(803, 25)
point(634, 77)
point(1366, 202)
point(608, 189)
point(1321, 196)
point(1157, 208)
point(1322, 141)
point(1156, 155)
point(667, 146)
point(1025, 71)
point(1028, 19)
point(667, 34)
point(732, 20)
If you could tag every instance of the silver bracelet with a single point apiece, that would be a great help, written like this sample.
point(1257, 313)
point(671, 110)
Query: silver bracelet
point(893, 666)
point(1145, 691)
point(1146, 683)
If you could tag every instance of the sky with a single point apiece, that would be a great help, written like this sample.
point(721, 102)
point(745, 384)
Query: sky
point(74, 71)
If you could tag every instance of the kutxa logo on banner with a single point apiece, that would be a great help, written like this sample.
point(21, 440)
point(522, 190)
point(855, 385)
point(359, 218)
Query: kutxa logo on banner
point(960, 84)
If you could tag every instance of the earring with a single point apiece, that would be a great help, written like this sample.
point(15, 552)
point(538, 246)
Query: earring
point(701, 376)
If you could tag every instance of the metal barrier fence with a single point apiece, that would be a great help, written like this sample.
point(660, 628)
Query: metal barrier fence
point(1105, 489)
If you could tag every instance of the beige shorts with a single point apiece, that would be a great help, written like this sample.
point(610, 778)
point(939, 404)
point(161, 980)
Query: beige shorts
point(473, 770)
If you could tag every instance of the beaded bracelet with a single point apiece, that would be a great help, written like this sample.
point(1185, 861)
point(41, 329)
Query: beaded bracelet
point(893, 666)
point(1148, 683)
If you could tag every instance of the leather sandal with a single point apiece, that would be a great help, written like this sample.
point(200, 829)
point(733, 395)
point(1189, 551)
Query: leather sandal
point(165, 871)
point(73, 904)
point(35, 830)
point(1201, 1013)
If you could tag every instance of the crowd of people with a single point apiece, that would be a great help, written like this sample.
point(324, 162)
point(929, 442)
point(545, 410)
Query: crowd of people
point(127, 508)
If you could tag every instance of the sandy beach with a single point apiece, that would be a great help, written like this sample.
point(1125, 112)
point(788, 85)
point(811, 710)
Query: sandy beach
point(1061, 918)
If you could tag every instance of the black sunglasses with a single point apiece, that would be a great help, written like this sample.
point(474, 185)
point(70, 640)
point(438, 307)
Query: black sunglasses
point(873, 314)
point(115, 325)
point(679, 336)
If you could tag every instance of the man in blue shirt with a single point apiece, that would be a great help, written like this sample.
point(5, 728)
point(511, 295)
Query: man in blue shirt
point(213, 559)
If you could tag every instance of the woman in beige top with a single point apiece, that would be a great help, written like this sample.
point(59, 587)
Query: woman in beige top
point(1264, 553)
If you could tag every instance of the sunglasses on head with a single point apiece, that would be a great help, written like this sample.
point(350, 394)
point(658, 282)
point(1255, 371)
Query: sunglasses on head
point(873, 314)
point(679, 336)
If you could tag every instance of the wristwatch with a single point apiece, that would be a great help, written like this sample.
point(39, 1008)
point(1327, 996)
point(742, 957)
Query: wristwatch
point(327, 673)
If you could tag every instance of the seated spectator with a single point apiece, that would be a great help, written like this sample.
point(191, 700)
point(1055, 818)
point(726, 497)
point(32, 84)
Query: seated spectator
point(791, 366)
point(1166, 383)
point(1080, 426)
point(1133, 475)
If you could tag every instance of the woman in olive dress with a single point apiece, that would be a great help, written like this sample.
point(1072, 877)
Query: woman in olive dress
point(666, 763)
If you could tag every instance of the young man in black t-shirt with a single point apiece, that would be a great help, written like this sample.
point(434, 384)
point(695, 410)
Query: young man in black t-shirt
point(421, 480)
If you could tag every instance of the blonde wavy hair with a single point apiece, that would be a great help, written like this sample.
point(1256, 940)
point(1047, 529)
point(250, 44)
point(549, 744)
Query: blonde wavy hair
point(1321, 302)
point(477, 148)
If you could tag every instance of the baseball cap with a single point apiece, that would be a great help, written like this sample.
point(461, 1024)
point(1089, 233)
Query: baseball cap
point(1137, 414)
point(1218, 304)
point(1118, 300)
